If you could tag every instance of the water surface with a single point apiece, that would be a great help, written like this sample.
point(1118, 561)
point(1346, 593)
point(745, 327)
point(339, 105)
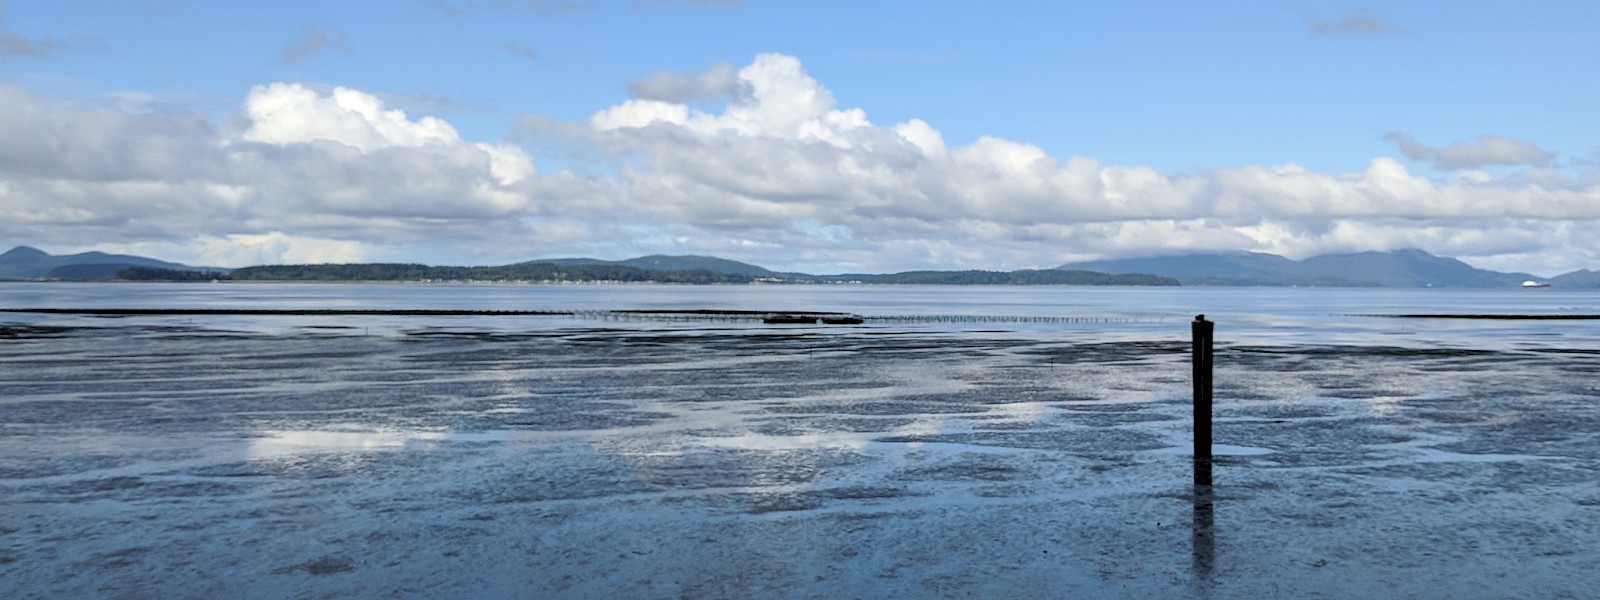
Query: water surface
point(571, 457)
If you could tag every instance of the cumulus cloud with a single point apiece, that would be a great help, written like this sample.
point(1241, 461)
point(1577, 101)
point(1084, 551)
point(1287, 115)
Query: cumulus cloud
point(1488, 150)
point(100, 144)
point(314, 42)
point(285, 113)
point(252, 249)
point(782, 151)
point(325, 170)
point(778, 173)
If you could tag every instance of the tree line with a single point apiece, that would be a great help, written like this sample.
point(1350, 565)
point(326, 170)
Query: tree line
point(551, 272)
point(414, 272)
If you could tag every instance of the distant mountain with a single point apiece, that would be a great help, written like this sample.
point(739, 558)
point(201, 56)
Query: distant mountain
point(567, 262)
point(1228, 268)
point(1023, 277)
point(659, 262)
point(529, 271)
point(1399, 268)
point(22, 255)
point(1408, 268)
point(24, 262)
point(1584, 279)
point(723, 266)
point(665, 263)
point(659, 269)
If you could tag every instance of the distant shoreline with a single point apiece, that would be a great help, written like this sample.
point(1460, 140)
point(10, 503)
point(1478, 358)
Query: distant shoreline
point(491, 282)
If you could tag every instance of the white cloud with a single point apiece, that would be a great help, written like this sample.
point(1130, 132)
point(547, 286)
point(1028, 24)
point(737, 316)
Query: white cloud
point(285, 113)
point(640, 113)
point(782, 151)
point(332, 171)
point(252, 249)
point(779, 175)
point(100, 143)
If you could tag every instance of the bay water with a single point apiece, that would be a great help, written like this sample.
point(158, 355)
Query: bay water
point(964, 441)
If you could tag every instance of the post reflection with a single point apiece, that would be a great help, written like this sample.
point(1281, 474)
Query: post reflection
point(1203, 538)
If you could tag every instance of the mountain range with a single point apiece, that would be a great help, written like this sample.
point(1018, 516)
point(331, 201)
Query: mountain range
point(1399, 268)
point(660, 262)
point(24, 262)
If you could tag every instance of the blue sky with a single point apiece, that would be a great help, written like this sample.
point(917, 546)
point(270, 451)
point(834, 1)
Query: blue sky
point(818, 136)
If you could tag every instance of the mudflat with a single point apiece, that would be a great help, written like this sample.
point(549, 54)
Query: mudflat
point(162, 460)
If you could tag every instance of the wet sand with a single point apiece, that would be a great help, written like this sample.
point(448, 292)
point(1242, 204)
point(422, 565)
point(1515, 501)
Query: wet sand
point(145, 460)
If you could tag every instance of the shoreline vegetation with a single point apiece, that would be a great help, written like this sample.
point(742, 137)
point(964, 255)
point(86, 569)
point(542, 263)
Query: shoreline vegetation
point(544, 272)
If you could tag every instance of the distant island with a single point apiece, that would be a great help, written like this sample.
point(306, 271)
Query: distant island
point(32, 264)
point(1400, 268)
point(24, 262)
point(552, 272)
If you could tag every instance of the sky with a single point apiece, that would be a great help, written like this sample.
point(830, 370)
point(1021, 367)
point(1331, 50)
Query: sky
point(822, 136)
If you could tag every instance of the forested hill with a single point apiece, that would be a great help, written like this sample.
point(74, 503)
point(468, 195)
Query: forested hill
point(518, 272)
point(573, 271)
point(1025, 277)
point(1399, 268)
point(24, 262)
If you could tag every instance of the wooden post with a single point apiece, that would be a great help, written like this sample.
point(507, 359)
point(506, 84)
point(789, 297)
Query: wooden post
point(1202, 400)
point(1203, 533)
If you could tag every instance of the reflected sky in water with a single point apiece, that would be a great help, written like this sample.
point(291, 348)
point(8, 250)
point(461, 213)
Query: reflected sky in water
point(1245, 315)
point(580, 458)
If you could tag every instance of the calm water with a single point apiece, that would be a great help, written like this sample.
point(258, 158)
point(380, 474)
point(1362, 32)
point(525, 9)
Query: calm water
point(560, 457)
point(1287, 315)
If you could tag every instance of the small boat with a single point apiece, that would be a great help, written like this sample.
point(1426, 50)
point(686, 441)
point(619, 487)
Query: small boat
point(842, 320)
point(788, 319)
point(1534, 285)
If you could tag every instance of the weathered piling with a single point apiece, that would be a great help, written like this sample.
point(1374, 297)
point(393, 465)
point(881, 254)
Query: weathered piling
point(1202, 329)
point(1203, 527)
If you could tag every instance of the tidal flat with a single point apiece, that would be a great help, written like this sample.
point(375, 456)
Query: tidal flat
point(164, 459)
